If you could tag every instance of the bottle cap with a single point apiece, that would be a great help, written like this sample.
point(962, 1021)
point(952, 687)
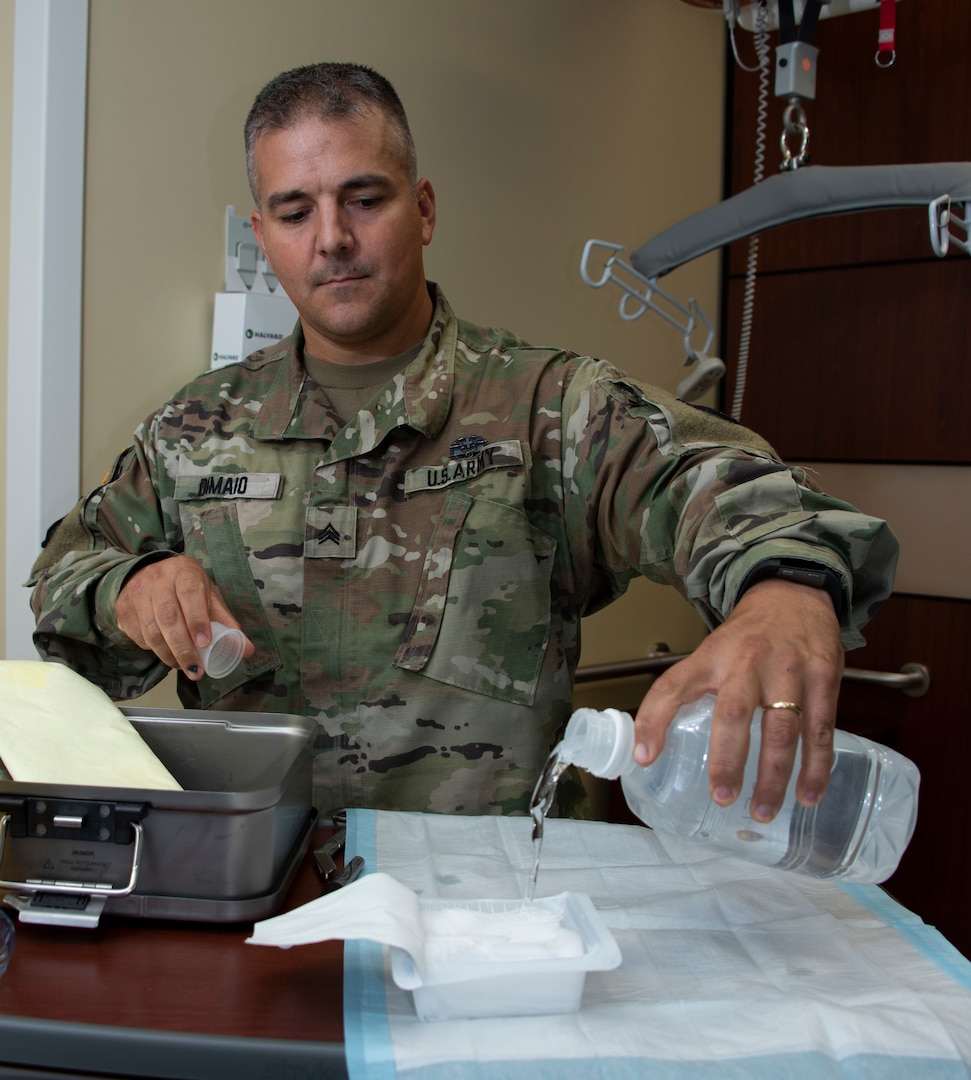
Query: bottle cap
point(600, 741)
point(222, 655)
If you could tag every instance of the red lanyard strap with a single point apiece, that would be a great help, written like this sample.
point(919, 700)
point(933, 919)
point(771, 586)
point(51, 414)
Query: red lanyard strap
point(886, 47)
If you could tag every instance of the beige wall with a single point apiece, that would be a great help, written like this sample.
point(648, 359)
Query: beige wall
point(540, 124)
point(933, 559)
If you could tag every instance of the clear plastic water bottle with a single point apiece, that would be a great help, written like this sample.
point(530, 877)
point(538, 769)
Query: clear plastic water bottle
point(6, 941)
point(857, 832)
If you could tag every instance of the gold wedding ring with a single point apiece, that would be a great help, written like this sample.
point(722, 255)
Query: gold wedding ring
point(797, 709)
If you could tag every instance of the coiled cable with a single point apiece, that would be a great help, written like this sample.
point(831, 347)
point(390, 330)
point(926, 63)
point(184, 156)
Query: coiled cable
point(751, 266)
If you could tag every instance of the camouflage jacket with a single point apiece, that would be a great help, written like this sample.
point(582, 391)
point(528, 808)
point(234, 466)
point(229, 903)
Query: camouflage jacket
point(415, 578)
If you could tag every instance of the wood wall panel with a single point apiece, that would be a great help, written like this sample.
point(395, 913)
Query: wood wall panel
point(934, 731)
point(857, 325)
point(859, 363)
point(887, 339)
point(860, 345)
point(911, 112)
point(872, 237)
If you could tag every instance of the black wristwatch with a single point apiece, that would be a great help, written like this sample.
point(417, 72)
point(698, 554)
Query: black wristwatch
point(801, 572)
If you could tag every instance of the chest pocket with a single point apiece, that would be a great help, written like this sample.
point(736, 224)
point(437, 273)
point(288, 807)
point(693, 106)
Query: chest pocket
point(481, 620)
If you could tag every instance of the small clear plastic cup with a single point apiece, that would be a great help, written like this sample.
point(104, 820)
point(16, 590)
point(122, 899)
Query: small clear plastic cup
point(222, 655)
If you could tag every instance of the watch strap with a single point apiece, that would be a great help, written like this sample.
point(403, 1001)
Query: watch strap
point(800, 572)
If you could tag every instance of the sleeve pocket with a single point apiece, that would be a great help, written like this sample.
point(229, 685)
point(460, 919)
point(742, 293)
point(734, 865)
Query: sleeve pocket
point(768, 505)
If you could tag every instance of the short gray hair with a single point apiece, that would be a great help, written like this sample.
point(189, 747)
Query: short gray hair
point(326, 90)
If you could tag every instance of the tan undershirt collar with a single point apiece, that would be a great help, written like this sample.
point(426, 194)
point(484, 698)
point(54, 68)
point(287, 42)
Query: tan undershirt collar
point(349, 387)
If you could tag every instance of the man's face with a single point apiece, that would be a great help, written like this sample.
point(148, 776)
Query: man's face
point(343, 228)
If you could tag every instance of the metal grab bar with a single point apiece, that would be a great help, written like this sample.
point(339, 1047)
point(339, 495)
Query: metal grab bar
point(914, 680)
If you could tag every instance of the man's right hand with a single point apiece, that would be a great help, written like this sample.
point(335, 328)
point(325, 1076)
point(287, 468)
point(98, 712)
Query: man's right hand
point(167, 606)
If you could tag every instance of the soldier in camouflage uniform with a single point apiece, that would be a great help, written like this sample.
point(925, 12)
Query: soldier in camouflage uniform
point(411, 567)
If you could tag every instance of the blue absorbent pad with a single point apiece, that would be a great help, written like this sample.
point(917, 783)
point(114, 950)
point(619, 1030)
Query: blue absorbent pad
point(730, 970)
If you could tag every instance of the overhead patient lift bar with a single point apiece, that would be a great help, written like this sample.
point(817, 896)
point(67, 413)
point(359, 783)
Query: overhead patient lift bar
point(812, 191)
point(816, 191)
